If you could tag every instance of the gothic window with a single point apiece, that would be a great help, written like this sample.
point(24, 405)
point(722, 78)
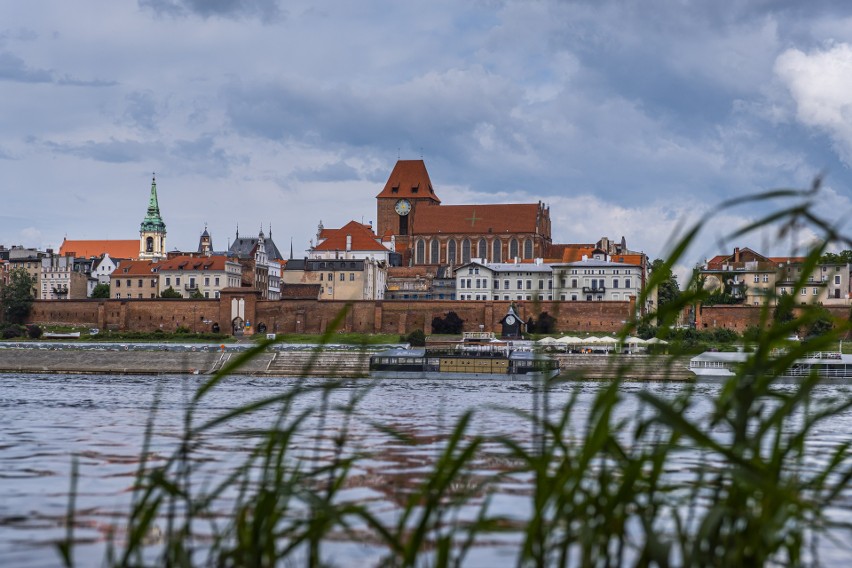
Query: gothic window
point(483, 249)
point(513, 248)
point(420, 256)
point(451, 252)
point(466, 250)
point(496, 252)
point(528, 248)
point(149, 244)
point(434, 253)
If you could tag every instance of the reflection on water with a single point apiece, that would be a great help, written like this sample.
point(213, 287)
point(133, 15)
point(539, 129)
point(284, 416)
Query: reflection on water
point(45, 420)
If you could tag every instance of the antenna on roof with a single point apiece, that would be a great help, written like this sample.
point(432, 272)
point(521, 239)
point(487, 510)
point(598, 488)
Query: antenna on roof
point(421, 152)
point(397, 152)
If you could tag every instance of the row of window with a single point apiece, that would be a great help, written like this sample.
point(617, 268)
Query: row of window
point(139, 296)
point(549, 297)
point(342, 276)
point(594, 283)
point(493, 253)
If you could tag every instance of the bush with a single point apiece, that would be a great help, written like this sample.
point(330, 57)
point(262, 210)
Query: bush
point(34, 331)
point(11, 331)
point(416, 338)
point(451, 324)
point(181, 329)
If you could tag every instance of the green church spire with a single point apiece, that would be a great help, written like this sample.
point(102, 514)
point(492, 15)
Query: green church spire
point(152, 220)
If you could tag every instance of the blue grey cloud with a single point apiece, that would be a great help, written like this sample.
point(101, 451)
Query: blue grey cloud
point(264, 10)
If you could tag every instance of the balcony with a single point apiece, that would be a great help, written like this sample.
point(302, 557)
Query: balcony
point(190, 287)
point(597, 290)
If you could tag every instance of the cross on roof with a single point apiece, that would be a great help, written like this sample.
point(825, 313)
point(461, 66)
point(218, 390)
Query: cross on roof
point(473, 219)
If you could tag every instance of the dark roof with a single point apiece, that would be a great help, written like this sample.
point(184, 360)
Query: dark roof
point(243, 247)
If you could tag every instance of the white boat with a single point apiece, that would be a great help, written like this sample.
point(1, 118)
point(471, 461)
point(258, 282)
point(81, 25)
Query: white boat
point(479, 355)
point(55, 335)
point(830, 366)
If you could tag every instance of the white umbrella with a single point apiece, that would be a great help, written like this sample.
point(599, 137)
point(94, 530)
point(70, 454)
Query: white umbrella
point(546, 341)
point(633, 340)
point(607, 340)
point(569, 340)
point(592, 340)
point(656, 341)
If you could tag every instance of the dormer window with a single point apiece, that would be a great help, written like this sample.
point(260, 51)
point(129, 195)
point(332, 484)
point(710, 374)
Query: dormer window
point(395, 189)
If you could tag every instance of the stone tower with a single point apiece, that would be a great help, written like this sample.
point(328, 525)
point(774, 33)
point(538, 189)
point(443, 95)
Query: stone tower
point(152, 232)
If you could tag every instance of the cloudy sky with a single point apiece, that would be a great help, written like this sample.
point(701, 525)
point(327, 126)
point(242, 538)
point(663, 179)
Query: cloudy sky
point(626, 117)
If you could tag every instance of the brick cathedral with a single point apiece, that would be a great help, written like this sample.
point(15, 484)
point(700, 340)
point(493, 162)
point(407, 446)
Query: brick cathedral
point(429, 233)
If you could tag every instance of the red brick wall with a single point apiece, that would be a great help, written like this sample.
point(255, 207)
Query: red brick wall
point(739, 318)
point(310, 316)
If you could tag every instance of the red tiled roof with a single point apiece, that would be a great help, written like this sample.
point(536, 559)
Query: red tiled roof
point(574, 253)
point(194, 263)
point(95, 249)
point(362, 238)
point(477, 219)
point(134, 268)
point(409, 178)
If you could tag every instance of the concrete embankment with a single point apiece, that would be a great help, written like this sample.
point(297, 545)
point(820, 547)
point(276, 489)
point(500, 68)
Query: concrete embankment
point(306, 362)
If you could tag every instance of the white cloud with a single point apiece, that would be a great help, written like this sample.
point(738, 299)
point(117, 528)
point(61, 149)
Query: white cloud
point(820, 82)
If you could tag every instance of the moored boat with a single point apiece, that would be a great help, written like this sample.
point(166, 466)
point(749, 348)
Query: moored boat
point(829, 366)
point(478, 355)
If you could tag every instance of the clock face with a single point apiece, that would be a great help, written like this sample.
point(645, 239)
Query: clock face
point(510, 320)
point(403, 207)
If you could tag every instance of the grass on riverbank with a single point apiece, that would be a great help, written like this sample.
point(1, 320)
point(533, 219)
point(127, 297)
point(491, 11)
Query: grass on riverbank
point(587, 488)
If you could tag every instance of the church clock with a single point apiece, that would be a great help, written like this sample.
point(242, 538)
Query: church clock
point(403, 207)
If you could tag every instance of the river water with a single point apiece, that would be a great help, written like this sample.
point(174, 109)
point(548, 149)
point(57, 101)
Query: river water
point(47, 419)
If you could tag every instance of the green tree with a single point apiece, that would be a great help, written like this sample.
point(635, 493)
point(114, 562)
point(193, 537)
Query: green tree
point(668, 291)
point(101, 291)
point(196, 295)
point(170, 293)
point(16, 297)
point(843, 257)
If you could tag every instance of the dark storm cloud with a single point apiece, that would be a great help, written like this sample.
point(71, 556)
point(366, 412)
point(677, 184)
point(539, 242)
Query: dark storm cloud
point(201, 155)
point(13, 68)
point(264, 10)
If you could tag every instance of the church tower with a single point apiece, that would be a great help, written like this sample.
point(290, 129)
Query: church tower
point(152, 232)
point(407, 190)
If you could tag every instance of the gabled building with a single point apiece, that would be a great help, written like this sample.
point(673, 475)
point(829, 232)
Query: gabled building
point(256, 255)
point(353, 240)
point(599, 278)
point(61, 279)
point(135, 280)
point(204, 275)
point(482, 280)
point(339, 279)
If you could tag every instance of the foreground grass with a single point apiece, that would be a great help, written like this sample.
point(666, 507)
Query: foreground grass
point(598, 489)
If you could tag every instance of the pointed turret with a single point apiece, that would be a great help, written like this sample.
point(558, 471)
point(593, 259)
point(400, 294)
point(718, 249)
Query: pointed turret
point(153, 221)
point(152, 231)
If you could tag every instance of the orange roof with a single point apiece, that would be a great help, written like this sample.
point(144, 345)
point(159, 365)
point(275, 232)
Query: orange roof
point(573, 253)
point(477, 219)
point(194, 263)
point(409, 178)
point(362, 238)
point(134, 268)
point(96, 249)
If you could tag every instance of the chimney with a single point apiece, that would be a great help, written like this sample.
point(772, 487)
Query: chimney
point(736, 254)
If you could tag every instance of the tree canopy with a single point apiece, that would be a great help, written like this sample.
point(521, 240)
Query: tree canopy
point(170, 293)
point(668, 290)
point(101, 291)
point(17, 297)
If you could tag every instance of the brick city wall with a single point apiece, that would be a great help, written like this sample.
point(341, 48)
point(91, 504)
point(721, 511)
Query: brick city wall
point(310, 316)
point(739, 318)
